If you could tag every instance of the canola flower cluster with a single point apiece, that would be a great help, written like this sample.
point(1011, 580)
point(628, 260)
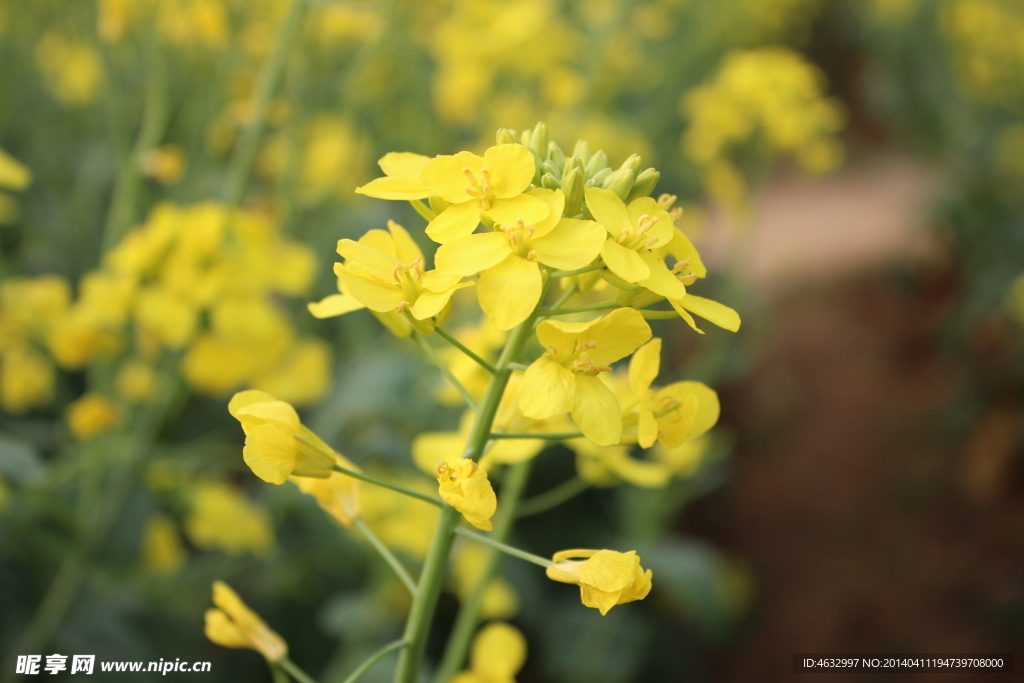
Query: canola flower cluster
point(515, 226)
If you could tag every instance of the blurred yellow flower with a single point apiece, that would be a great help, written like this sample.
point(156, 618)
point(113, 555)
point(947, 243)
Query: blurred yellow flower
point(165, 164)
point(233, 624)
point(606, 578)
point(277, 444)
point(13, 174)
point(72, 71)
point(565, 379)
point(500, 600)
point(26, 378)
point(135, 380)
point(91, 415)
point(464, 486)
point(162, 550)
point(402, 522)
point(338, 495)
point(499, 651)
point(222, 518)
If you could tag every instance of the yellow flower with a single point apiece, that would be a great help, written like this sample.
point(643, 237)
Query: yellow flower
point(303, 376)
point(565, 379)
point(669, 415)
point(499, 651)
point(135, 381)
point(402, 522)
point(165, 164)
point(26, 379)
point(384, 271)
point(509, 259)
point(233, 624)
point(13, 174)
point(464, 486)
point(71, 70)
point(611, 465)
point(222, 518)
point(633, 232)
point(500, 600)
point(491, 185)
point(606, 578)
point(402, 177)
point(277, 444)
point(338, 495)
point(162, 551)
point(91, 415)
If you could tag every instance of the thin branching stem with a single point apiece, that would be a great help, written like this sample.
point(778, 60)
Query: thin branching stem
point(507, 549)
point(466, 350)
point(553, 497)
point(386, 553)
point(355, 474)
point(550, 436)
point(445, 370)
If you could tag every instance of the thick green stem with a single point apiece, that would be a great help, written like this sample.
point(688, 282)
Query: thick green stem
point(418, 625)
point(386, 553)
point(570, 273)
point(270, 73)
point(513, 484)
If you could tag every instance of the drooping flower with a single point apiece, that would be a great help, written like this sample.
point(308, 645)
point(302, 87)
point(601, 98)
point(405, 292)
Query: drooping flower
point(233, 624)
point(401, 177)
point(474, 186)
point(499, 651)
point(565, 378)
point(509, 259)
point(606, 578)
point(464, 486)
point(277, 444)
point(633, 232)
point(384, 272)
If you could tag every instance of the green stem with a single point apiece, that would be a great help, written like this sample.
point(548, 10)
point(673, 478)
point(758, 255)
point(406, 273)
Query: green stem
point(550, 436)
point(570, 273)
point(373, 659)
point(432, 577)
point(278, 674)
point(445, 370)
point(466, 350)
point(568, 294)
point(388, 556)
point(422, 209)
point(542, 502)
point(518, 366)
point(502, 547)
point(294, 671)
point(240, 164)
point(512, 486)
point(604, 305)
point(355, 474)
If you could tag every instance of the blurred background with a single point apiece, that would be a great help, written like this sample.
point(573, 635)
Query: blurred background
point(852, 172)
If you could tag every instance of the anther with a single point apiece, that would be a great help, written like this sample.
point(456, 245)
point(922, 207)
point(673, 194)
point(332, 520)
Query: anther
point(470, 176)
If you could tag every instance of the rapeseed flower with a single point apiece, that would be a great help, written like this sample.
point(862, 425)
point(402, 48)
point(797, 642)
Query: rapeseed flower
point(565, 378)
point(509, 260)
point(606, 578)
point(233, 624)
point(92, 415)
point(499, 651)
point(464, 486)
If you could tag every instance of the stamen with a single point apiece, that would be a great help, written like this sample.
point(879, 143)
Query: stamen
point(531, 255)
point(470, 177)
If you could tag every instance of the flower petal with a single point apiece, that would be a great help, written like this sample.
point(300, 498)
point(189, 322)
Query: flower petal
point(608, 210)
point(625, 263)
point(335, 304)
point(547, 389)
point(458, 220)
point(270, 452)
point(373, 293)
point(717, 313)
point(428, 304)
point(394, 188)
point(618, 334)
point(443, 175)
point(663, 227)
point(681, 248)
point(661, 280)
point(509, 291)
point(509, 210)
point(403, 164)
point(596, 411)
point(368, 260)
point(511, 168)
point(555, 199)
point(708, 408)
point(572, 244)
point(644, 366)
point(470, 254)
point(499, 652)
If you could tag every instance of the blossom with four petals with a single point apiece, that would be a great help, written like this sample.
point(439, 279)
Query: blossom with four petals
point(606, 578)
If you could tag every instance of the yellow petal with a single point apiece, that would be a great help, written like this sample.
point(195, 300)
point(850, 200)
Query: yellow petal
point(509, 210)
point(403, 164)
point(660, 280)
point(685, 315)
point(429, 303)
point(394, 188)
point(608, 210)
point(608, 570)
point(405, 248)
point(663, 229)
point(335, 304)
point(547, 389)
point(644, 367)
point(222, 631)
point(647, 428)
point(682, 248)
point(509, 291)
point(511, 168)
point(243, 399)
point(572, 244)
point(458, 220)
point(471, 254)
point(373, 293)
point(618, 334)
point(719, 314)
point(443, 175)
point(270, 452)
point(625, 263)
point(708, 408)
point(596, 411)
point(599, 599)
point(499, 652)
point(676, 427)
point(365, 260)
point(555, 199)
point(641, 587)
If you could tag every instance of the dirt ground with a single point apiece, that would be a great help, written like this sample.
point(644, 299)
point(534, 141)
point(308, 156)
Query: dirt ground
point(855, 495)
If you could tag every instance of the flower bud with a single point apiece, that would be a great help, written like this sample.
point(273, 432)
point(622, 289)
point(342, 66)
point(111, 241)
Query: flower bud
point(633, 163)
point(644, 184)
point(539, 138)
point(556, 155)
point(570, 164)
point(573, 186)
point(581, 151)
point(597, 162)
point(597, 180)
point(549, 167)
point(620, 182)
point(538, 163)
point(550, 182)
point(506, 136)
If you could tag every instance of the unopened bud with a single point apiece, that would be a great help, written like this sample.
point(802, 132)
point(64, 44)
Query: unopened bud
point(556, 155)
point(633, 163)
point(539, 138)
point(570, 164)
point(620, 182)
point(597, 180)
point(549, 167)
point(573, 186)
point(581, 151)
point(597, 162)
point(538, 164)
point(506, 136)
point(644, 184)
point(549, 181)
